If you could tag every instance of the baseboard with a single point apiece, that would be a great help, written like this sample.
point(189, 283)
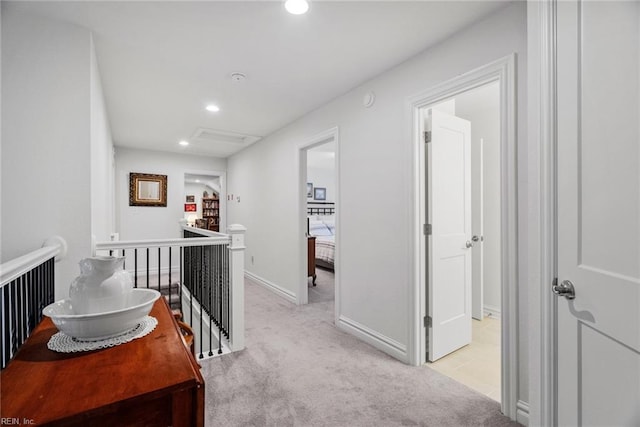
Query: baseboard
point(491, 311)
point(284, 293)
point(522, 413)
point(376, 339)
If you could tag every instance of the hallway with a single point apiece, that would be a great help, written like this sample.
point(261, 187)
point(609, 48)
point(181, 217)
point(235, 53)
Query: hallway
point(298, 369)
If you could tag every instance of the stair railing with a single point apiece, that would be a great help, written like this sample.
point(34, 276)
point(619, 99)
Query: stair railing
point(200, 274)
point(27, 285)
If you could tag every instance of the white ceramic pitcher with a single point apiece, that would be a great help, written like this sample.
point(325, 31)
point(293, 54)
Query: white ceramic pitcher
point(102, 286)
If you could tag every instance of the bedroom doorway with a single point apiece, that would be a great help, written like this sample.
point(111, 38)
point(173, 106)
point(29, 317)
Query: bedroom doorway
point(319, 197)
point(465, 140)
point(321, 204)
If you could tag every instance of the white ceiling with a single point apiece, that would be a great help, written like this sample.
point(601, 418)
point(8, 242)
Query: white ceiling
point(163, 62)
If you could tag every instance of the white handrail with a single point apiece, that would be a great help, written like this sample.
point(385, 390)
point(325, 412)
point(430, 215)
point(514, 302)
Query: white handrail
point(54, 247)
point(161, 243)
point(202, 231)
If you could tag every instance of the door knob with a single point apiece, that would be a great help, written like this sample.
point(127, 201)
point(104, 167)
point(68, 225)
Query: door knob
point(476, 238)
point(564, 289)
point(469, 244)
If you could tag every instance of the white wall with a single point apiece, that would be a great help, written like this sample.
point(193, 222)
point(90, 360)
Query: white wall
point(485, 125)
point(46, 160)
point(141, 222)
point(102, 164)
point(374, 163)
point(323, 178)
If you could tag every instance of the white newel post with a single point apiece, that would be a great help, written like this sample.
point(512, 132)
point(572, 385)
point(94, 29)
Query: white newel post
point(236, 249)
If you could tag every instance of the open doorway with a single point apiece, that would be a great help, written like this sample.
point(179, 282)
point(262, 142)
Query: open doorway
point(205, 201)
point(319, 220)
point(465, 341)
point(449, 237)
point(321, 198)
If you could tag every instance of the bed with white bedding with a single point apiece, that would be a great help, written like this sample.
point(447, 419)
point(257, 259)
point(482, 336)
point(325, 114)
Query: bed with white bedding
point(323, 228)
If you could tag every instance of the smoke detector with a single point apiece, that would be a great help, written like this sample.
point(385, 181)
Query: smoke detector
point(238, 77)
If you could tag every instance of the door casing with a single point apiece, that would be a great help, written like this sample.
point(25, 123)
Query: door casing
point(502, 71)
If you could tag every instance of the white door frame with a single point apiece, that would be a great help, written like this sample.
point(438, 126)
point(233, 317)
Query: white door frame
point(319, 139)
point(502, 71)
point(542, 139)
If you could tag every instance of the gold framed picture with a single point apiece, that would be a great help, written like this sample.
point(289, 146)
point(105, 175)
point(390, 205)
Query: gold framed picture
point(147, 189)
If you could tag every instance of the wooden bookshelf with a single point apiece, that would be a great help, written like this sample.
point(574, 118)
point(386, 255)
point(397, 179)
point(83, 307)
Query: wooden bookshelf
point(211, 213)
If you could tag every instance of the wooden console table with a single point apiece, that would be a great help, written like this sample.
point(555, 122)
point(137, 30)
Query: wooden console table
point(150, 381)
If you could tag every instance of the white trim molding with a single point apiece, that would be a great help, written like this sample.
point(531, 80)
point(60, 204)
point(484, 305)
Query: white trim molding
point(491, 311)
point(502, 71)
point(541, 34)
point(376, 339)
point(278, 290)
point(522, 412)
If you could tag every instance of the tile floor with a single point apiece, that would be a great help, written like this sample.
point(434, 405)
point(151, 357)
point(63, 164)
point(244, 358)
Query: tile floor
point(477, 365)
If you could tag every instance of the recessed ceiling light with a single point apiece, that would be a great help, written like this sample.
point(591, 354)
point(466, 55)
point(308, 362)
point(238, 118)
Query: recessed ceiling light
point(184, 143)
point(296, 7)
point(197, 180)
point(213, 108)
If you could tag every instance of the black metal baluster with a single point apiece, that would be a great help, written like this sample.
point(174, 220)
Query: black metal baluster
point(13, 302)
point(124, 264)
point(211, 279)
point(181, 275)
point(51, 282)
point(227, 285)
point(16, 323)
point(220, 295)
point(37, 294)
point(25, 312)
point(159, 275)
point(200, 282)
point(170, 291)
point(5, 324)
point(191, 284)
point(135, 268)
point(147, 268)
point(32, 300)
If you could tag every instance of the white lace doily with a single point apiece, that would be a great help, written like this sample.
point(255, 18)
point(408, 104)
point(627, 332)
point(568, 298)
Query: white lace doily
point(63, 343)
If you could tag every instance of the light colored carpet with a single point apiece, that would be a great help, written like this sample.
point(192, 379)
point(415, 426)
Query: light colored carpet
point(299, 370)
point(323, 291)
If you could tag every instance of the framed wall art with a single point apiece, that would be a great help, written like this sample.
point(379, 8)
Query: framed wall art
point(147, 189)
point(320, 193)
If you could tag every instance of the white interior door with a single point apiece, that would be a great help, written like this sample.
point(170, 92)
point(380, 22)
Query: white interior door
point(449, 213)
point(598, 332)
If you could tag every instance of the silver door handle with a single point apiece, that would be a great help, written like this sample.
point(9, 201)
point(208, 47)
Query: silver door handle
point(564, 289)
point(477, 239)
point(469, 244)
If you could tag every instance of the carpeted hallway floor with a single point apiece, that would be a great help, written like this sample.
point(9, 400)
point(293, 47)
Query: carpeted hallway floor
point(299, 370)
